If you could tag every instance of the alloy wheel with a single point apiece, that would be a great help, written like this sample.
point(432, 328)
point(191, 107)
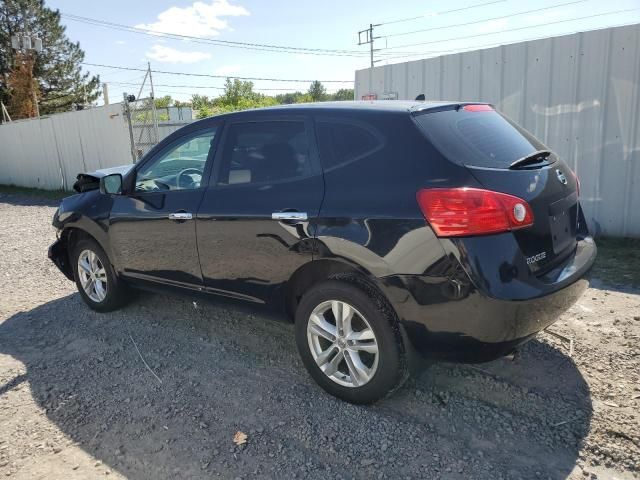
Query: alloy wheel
point(342, 343)
point(92, 275)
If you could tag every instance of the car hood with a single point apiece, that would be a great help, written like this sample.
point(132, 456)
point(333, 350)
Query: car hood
point(91, 180)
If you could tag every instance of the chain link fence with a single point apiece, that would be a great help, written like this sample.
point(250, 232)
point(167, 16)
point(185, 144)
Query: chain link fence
point(143, 125)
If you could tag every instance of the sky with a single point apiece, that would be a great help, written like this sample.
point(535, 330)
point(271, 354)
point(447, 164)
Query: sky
point(409, 30)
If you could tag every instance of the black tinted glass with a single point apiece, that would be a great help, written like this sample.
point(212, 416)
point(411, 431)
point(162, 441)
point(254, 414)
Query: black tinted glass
point(483, 139)
point(344, 142)
point(265, 151)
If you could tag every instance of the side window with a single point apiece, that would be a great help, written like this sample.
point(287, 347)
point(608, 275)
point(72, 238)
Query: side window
point(265, 151)
point(180, 168)
point(342, 142)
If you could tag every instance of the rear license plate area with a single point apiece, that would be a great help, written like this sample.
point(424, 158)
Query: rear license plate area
point(562, 222)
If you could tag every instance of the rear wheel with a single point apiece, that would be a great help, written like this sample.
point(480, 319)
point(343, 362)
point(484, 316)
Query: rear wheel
point(95, 278)
point(349, 342)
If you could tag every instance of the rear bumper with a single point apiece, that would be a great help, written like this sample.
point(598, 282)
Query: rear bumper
point(57, 253)
point(449, 318)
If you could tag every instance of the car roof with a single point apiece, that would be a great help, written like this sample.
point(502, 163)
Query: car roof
point(396, 106)
point(359, 105)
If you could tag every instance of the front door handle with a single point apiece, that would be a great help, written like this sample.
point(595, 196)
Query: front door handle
point(180, 216)
point(289, 216)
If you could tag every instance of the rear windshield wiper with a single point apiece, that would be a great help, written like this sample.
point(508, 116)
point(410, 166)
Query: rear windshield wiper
point(535, 157)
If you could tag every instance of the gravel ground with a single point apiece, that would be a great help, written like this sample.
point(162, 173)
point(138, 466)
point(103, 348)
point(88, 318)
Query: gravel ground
point(76, 400)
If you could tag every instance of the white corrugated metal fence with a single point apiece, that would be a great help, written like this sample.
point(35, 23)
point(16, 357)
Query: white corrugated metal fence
point(49, 152)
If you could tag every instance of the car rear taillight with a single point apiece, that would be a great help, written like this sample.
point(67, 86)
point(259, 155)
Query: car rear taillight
point(456, 212)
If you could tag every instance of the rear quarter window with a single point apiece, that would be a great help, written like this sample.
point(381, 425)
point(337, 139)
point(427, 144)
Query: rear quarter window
point(342, 142)
point(482, 139)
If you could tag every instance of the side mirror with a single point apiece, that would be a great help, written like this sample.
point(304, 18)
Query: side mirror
point(111, 184)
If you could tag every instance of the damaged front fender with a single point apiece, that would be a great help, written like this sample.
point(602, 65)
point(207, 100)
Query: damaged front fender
point(57, 253)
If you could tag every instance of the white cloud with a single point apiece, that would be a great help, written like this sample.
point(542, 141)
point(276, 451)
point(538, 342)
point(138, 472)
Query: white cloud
point(160, 53)
point(228, 69)
point(119, 42)
point(199, 20)
point(493, 26)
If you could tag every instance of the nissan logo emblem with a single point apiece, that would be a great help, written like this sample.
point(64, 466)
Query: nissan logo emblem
point(561, 177)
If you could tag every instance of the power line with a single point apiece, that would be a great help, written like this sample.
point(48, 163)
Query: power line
point(211, 41)
point(514, 29)
point(213, 76)
point(163, 92)
point(489, 45)
point(198, 86)
point(408, 19)
point(483, 20)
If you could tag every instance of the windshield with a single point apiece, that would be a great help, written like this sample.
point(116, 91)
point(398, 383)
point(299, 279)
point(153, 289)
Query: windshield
point(478, 138)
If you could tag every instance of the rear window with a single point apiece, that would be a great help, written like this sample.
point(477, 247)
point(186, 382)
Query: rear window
point(482, 139)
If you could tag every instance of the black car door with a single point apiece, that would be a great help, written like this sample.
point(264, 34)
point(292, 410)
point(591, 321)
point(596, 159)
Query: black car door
point(152, 227)
point(254, 224)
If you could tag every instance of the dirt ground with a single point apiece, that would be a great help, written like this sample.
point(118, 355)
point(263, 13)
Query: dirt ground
point(77, 401)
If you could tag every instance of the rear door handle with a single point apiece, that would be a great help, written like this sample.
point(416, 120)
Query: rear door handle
point(180, 216)
point(289, 216)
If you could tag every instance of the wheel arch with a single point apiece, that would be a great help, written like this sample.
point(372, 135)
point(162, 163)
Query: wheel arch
point(72, 234)
point(323, 269)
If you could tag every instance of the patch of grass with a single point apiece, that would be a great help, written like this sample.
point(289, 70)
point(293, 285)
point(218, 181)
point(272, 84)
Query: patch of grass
point(34, 192)
point(618, 261)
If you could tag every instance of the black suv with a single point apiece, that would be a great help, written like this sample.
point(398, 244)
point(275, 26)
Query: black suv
point(388, 230)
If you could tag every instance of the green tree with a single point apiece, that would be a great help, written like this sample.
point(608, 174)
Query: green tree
point(238, 95)
point(317, 92)
point(164, 102)
point(57, 68)
point(236, 91)
point(288, 98)
point(199, 101)
point(343, 94)
point(304, 98)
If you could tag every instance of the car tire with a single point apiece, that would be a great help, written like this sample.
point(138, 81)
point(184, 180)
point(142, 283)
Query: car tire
point(97, 282)
point(373, 362)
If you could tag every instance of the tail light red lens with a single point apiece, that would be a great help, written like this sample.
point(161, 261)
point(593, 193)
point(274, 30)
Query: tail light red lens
point(456, 212)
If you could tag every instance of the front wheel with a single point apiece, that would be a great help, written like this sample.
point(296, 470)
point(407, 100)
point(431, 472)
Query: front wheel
point(95, 278)
point(349, 342)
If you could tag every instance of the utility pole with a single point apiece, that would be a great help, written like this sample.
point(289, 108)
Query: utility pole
point(105, 93)
point(154, 113)
point(35, 103)
point(151, 80)
point(30, 46)
point(369, 38)
point(371, 43)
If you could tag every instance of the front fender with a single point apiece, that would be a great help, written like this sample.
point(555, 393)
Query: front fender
point(88, 212)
